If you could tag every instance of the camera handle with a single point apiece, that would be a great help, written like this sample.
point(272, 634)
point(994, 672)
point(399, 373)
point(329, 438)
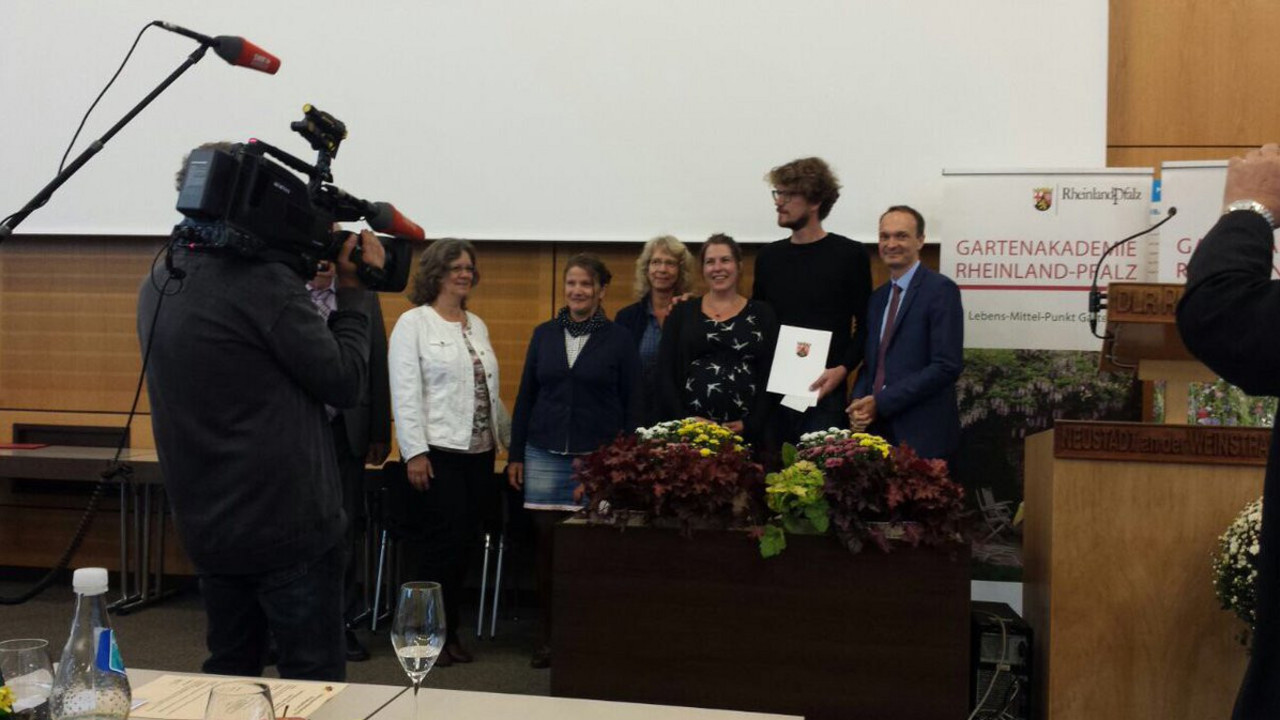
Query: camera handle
point(43, 196)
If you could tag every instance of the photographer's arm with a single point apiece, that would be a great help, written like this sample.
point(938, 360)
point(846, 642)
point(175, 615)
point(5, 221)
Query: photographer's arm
point(1231, 303)
point(331, 362)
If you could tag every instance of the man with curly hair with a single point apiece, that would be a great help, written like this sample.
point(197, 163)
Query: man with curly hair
point(815, 279)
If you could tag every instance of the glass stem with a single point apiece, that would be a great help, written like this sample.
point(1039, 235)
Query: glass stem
point(417, 704)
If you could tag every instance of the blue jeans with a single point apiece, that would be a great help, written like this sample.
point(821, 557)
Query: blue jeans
point(299, 605)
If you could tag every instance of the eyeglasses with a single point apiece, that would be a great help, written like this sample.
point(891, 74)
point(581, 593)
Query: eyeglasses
point(663, 262)
point(460, 269)
point(784, 195)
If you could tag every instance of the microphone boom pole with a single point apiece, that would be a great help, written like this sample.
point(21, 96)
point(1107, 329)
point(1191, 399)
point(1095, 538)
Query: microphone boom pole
point(43, 196)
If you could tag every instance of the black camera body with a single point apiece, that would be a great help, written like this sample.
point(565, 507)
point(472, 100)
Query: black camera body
point(238, 200)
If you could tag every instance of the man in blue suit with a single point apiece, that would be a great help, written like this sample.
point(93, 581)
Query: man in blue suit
point(906, 391)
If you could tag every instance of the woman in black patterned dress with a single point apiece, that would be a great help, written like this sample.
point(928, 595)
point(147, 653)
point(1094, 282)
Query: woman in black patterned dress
point(716, 350)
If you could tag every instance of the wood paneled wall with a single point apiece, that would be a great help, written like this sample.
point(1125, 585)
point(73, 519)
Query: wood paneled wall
point(1187, 80)
point(1190, 80)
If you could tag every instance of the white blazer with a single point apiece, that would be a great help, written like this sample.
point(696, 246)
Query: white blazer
point(433, 381)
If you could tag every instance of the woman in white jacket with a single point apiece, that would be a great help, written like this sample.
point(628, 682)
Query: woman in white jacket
point(444, 393)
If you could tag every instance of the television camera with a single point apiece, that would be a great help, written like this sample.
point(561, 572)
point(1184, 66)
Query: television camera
point(237, 199)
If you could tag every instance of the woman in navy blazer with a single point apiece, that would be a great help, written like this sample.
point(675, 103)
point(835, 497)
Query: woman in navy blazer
point(579, 390)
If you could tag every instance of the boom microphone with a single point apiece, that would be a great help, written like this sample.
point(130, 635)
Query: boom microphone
point(386, 219)
point(235, 50)
point(1098, 298)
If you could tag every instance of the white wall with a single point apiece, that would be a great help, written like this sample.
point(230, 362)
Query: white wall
point(562, 119)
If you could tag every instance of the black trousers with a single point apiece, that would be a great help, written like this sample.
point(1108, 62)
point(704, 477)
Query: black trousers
point(300, 605)
point(351, 468)
point(447, 525)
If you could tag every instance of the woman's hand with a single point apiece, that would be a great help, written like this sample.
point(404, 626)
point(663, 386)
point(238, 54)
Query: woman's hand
point(419, 471)
point(515, 475)
point(734, 426)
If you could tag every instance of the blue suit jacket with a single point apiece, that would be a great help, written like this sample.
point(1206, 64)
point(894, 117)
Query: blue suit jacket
point(924, 358)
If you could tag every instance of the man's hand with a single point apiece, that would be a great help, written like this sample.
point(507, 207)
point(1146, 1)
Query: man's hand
point(373, 255)
point(515, 475)
point(377, 454)
point(419, 471)
point(735, 426)
point(1256, 176)
point(829, 380)
point(862, 412)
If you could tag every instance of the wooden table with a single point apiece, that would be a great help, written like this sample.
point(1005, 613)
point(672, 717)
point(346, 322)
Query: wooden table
point(141, 500)
point(650, 616)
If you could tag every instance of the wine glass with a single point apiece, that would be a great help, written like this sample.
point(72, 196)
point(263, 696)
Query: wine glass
point(418, 631)
point(240, 700)
point(27, 671)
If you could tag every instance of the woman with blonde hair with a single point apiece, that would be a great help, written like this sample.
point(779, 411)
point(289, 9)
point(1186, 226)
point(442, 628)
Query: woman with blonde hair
point(664, 271)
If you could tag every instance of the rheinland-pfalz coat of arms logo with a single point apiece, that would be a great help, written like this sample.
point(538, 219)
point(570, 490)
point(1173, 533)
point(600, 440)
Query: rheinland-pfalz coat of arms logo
point(1044, 198)
point(802, 349)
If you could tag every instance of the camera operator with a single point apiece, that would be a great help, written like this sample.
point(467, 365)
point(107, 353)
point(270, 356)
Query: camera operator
point(1227, 318)
point(241, 367)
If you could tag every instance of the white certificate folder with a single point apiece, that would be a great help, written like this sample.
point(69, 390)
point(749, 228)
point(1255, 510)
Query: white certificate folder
point(799, 358)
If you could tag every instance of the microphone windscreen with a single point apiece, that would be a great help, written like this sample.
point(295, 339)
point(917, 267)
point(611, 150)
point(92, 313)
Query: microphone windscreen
point(241, 52)
point(389, 220)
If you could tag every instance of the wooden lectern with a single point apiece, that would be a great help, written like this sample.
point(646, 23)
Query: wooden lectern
point(1142, 335)
point(1121, 522)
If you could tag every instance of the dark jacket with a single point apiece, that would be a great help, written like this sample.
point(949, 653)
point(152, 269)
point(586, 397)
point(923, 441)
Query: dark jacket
point(369, 421)
point(922, 363)
point(1228, 318)
point(635, 318)
point(241, 367)
point(578, 409)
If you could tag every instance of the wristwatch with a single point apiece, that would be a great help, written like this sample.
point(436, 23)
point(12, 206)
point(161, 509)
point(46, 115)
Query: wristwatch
point(1252, 206)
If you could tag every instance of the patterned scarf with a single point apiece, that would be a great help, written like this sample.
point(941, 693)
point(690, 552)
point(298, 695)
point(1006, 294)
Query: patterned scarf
point(578, 329)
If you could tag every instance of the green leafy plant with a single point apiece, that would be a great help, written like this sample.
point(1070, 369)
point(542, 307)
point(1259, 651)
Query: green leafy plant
point(795, 495)
point(871, 491)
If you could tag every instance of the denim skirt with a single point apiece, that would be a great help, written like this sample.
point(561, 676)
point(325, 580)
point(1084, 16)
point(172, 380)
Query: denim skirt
point(548, 480)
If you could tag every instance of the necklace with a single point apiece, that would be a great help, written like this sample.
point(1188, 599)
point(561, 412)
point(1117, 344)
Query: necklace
point(719, 313)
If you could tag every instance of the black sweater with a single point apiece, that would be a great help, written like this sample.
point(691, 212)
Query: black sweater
point(822, 285)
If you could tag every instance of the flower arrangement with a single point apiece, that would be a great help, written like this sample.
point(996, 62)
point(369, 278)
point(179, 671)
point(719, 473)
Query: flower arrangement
point(873, 492)
point(1235, 566)
point(689, 471)
point(6, 701)
point(700, 434)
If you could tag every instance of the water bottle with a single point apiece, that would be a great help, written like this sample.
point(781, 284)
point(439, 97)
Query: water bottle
point(91, 683)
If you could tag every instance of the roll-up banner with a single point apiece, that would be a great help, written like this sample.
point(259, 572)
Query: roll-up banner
point(1195, 188)
point(1022, 245)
